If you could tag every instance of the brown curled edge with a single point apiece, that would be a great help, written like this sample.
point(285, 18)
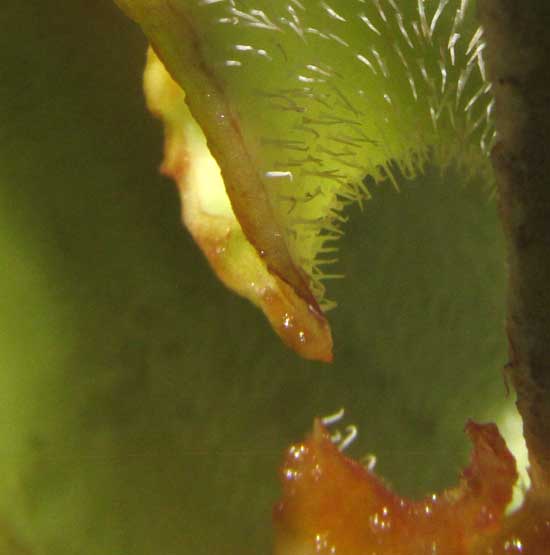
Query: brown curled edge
point(284, 296)
point(333, 505)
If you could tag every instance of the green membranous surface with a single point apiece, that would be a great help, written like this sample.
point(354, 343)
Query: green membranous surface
point(117, 353)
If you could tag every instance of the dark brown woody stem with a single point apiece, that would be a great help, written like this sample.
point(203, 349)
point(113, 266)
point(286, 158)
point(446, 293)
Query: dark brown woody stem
point(518, 62)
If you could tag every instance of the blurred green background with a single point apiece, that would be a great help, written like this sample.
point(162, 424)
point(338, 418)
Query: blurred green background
point(144, 409)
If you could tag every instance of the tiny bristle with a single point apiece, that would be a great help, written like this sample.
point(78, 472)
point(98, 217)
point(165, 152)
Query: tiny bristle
point(351, 89)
